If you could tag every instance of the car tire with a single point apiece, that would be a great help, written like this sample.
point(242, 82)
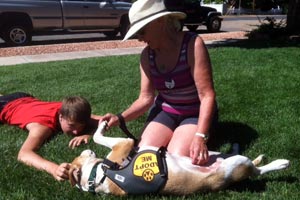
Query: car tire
point(17, 35)
point(192, 28)
point(124, 26)
point(111, 34)
point(214, 24)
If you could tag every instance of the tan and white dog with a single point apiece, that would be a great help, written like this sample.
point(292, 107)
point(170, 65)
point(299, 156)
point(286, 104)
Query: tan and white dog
point(183, 177)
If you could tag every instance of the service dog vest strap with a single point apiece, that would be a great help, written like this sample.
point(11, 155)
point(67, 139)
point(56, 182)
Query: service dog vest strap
point(146, 173)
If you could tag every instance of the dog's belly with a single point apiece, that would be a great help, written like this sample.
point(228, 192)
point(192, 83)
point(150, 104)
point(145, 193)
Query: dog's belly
point(178, 164)
point(186, 178)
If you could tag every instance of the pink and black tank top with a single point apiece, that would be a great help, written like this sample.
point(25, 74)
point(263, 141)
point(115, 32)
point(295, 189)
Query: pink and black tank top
point(177, 93)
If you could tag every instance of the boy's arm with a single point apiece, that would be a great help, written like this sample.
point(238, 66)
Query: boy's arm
point(38, 134)
point(92, 125)
point(94, 121)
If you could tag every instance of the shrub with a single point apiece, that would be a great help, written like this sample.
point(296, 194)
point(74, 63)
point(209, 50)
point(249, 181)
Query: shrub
point(268, 29)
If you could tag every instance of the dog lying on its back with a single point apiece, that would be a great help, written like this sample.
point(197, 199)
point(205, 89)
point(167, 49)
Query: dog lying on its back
point(89, 173)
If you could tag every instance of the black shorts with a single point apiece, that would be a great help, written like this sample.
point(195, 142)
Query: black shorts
point(172, 121)
point(5, 99)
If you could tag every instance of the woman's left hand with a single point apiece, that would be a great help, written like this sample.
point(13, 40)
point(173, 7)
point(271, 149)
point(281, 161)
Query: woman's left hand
point(78, 140)
point(198, 151)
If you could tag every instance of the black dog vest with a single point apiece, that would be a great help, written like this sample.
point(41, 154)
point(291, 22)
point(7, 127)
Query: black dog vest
point(146, 173)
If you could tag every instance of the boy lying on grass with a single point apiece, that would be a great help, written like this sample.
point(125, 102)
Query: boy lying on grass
point(43, 120)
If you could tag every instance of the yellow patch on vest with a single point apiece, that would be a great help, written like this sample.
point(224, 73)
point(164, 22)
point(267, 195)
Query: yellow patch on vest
point(146, 166)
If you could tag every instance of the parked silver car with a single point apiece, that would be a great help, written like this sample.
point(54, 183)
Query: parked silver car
point(20, 19)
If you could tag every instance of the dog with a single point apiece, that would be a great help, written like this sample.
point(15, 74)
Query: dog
point(181, 177)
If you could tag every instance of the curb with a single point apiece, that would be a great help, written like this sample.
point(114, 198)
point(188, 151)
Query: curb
point(15, 60)
point(110, 51)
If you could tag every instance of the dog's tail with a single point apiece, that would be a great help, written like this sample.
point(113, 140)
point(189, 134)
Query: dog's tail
point(257, 161)
point(279, 164)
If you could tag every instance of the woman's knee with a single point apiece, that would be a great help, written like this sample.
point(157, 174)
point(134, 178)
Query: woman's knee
point(156, 134)
point(182, 139)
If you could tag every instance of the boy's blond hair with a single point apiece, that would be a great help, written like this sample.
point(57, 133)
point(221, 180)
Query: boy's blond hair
point(76, 109)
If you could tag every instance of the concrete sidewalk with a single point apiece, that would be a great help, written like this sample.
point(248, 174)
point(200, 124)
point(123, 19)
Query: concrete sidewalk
point(46, 57)
point(14, 60)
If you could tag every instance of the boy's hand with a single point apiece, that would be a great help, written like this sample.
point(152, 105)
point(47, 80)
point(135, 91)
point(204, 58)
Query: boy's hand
point(61, 173)
point(78, 140)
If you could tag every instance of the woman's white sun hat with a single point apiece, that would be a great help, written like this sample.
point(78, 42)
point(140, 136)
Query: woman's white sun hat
point(144, 11)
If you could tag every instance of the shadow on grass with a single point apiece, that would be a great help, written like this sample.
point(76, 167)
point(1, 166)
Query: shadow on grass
point(244, 135)
point(259, 185)
point(230, 133)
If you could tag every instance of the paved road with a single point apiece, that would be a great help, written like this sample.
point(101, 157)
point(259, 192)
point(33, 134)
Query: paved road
point(230, 23)
point(246, 22)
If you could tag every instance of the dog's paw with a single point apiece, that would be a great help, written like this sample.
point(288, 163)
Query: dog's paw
point(281, 164)
point(102, 127)
point(99, 134)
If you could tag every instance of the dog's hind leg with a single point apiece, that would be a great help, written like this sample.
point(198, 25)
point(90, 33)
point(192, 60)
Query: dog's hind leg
point(273, 166)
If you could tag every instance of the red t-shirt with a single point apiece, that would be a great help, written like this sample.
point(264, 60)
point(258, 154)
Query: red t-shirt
point(26, 110)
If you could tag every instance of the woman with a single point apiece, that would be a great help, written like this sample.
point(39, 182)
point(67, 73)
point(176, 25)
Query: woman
point(176, 65)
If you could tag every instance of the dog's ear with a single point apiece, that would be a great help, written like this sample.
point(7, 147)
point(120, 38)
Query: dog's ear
point(74, 175)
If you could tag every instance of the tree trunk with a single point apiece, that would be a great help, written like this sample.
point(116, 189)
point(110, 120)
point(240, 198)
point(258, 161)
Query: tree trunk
point(293, 16)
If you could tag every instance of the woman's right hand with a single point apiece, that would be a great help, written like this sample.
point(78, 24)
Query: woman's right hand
point(199, 151)
point(112, 120)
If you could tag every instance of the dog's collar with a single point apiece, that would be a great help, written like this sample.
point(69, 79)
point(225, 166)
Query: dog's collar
point(92, 184)
point(92, 181)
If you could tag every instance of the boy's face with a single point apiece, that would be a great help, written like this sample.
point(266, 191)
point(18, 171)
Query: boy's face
point(70, 127)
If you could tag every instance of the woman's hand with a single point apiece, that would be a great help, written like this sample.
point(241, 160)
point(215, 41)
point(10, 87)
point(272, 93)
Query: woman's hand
point(78, 140)
point(112, 120)
point(198, 151)
point(61, 173)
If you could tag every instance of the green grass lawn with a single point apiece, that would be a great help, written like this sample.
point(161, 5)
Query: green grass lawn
point(258, 96)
